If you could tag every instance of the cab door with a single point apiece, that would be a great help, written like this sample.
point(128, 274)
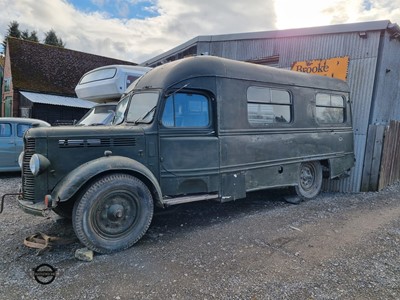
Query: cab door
point(188, 145)
point(7, 146)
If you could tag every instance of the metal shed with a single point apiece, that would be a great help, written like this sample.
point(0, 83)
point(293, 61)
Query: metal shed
point(55, 109)
point(372, 50)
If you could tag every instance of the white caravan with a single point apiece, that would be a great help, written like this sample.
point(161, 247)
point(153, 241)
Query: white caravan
point(105, 85)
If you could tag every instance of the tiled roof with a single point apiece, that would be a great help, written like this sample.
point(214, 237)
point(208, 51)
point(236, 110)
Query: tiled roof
point(48, 69)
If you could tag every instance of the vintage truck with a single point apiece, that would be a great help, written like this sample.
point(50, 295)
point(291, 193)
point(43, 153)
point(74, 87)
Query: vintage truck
point(195, 129)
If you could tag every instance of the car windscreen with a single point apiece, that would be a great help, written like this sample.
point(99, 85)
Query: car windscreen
point(99, 115)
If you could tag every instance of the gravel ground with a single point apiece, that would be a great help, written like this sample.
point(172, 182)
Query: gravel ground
point(338, 246)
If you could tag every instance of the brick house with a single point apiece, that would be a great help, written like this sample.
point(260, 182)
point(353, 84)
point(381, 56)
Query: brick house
point(39, 80)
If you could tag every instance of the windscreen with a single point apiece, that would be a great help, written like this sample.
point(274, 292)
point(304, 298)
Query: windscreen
point(141, 108)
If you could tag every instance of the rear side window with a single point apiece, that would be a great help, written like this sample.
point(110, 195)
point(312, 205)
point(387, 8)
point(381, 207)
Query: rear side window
point(5, 129)
point(330, 109)
point(186, 110)
point(268, 106)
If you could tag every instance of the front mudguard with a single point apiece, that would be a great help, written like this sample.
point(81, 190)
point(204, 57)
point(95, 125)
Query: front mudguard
point(71, 184)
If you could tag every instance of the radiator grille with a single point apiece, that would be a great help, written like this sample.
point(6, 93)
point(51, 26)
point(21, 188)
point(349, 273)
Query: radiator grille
point(28, 180)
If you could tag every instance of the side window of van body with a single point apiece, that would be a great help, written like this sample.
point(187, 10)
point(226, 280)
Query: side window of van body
point(186, 110)
point(268, 106)
point(330, 109)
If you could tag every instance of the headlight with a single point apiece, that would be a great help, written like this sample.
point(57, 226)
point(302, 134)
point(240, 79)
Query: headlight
point(38, 164)
point(21, 159)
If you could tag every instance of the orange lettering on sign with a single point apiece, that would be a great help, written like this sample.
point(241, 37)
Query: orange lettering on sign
point(336, 67)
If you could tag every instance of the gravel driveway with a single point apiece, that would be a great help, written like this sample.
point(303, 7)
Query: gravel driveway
point(338, 246)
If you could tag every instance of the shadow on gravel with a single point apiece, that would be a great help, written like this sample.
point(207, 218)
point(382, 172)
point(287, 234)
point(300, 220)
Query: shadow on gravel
point(207, 213)
point(175, 220)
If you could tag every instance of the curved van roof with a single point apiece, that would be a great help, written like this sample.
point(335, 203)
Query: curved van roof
point(176, 72)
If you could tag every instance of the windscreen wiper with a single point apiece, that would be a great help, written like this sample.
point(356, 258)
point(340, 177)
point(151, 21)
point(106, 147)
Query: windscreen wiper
point(145, 115)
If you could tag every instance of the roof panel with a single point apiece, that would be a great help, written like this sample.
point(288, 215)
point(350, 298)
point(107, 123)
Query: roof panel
point(285, 33)
point(57, 100)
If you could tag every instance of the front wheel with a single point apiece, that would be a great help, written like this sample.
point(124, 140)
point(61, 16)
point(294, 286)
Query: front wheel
point(309, 180)
point(113, 213)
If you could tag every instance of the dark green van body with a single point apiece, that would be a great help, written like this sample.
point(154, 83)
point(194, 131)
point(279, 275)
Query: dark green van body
point(222, 155)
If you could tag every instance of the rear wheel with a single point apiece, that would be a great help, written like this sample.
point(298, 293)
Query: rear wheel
point(310, 180)
point(113, 213)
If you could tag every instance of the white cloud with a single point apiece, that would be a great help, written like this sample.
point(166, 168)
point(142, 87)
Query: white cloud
point(180, 20)
point(308, 13)
point(136, 40)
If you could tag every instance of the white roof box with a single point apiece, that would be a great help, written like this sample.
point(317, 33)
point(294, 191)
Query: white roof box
point(108, 83)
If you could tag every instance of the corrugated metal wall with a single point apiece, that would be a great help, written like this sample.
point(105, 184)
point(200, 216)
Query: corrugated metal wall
point(387, 91)
point(363, 53)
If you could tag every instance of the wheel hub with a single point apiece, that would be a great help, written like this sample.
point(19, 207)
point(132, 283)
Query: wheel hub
point(115, 212)
point(307, 177)
point(115, 215)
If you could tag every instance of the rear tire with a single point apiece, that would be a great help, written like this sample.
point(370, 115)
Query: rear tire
point(113, 213)
point(309, 180)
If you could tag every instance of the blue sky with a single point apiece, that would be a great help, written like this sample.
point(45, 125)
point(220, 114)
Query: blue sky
point(124, 9)
point(137, 30)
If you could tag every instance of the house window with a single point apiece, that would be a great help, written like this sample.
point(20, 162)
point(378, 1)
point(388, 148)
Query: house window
point(330, 109)
point(7, 83)
point(268, 106)
point(8, 106)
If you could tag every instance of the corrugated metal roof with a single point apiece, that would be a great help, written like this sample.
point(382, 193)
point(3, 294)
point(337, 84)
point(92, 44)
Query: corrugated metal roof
point(273, 34)
point(57, 100)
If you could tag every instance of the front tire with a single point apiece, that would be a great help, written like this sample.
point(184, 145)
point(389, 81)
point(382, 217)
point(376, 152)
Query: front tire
point(309, 180)
point(113, 213)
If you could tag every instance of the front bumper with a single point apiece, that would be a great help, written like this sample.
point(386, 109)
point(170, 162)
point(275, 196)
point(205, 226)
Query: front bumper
point(37, 209)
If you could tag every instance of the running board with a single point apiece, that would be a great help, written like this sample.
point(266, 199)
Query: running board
point(187, 199)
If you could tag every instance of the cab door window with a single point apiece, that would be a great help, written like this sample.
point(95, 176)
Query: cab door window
point(186, 110)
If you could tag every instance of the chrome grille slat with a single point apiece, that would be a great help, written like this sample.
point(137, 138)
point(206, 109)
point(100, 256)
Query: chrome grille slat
point(28, 180)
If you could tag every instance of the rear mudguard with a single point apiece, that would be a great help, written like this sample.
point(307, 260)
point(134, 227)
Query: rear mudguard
point(79, 177)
